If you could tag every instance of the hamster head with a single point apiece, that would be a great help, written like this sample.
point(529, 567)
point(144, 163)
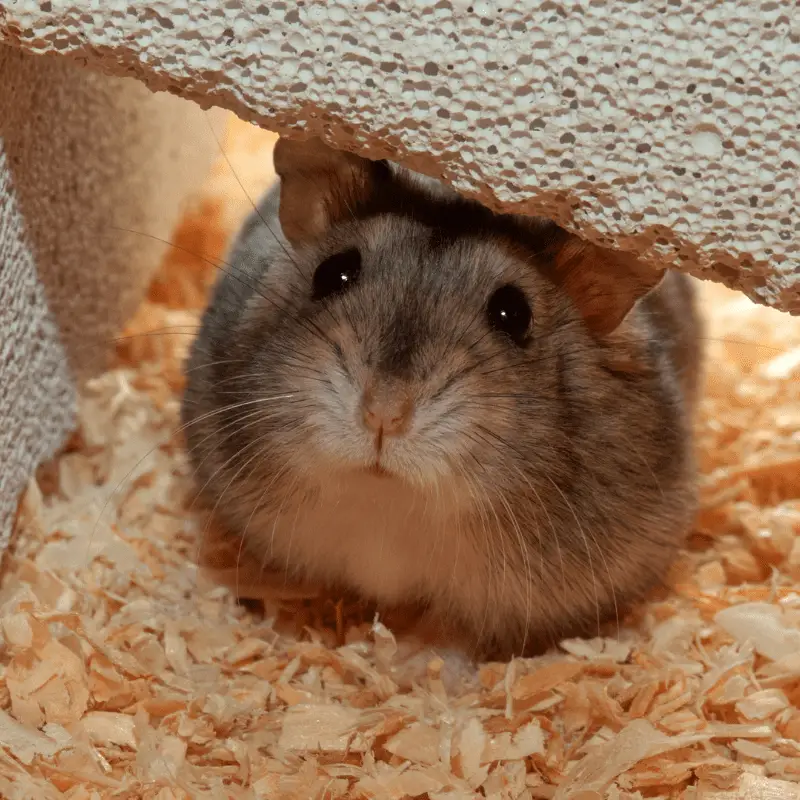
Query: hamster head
point(412, 330)
point(402, 350)
point(403, 347)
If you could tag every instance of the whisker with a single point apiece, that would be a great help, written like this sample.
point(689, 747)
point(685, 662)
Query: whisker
point(152, 450)
point(254, 443)
point(255, 207)
point(257, 506)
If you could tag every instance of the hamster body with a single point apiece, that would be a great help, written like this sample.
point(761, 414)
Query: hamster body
point(400, 392)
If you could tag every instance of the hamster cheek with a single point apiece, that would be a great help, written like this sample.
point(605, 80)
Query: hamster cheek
point(332, 417)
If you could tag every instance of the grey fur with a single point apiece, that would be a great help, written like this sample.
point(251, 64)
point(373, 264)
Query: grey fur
point(577, 453)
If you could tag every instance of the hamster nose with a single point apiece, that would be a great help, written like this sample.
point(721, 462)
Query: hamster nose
point(386, 411)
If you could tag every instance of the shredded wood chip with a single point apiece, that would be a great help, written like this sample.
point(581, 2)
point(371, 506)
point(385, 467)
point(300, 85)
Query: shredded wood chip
point(418, 743)
point(321, 728)
point(24, 741)
point(754, 787)
point(763, 624)
point(129, 670)
point(107, 728)
point(636, 742)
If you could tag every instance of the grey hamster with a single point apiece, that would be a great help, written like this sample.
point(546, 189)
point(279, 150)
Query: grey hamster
point(402, 393)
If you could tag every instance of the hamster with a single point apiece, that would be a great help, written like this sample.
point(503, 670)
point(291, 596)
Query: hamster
point(399, 392)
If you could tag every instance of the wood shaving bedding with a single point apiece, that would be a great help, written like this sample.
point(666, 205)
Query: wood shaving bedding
point(127, 672)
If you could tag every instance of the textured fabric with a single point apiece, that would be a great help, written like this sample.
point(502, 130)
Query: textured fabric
point(670, 130)
point(37, 399)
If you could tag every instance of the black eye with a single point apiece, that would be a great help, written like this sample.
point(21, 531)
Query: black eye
point(509, 312)
point(336, 274)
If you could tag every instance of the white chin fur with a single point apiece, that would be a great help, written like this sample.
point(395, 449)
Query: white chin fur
point(377, 533)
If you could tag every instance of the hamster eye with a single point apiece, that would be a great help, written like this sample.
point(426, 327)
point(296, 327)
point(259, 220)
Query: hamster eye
point(508, 311)
point(336, 274)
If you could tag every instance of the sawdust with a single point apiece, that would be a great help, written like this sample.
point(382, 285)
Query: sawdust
point(126, 672)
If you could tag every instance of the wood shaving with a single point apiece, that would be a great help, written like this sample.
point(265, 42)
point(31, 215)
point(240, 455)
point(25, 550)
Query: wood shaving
point(128, 672)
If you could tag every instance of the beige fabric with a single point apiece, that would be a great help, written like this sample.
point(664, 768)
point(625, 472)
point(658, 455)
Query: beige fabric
point(669, 130)
point(80, 155)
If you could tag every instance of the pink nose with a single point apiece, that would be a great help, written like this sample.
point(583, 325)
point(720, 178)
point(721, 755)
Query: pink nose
point(386, 411)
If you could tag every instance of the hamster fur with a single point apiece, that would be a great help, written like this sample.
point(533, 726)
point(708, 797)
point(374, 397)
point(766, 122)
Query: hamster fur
point(370, 406)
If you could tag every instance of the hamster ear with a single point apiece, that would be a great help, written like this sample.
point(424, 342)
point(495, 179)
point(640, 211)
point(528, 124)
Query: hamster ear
point(603, 284)
point(319, 187)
